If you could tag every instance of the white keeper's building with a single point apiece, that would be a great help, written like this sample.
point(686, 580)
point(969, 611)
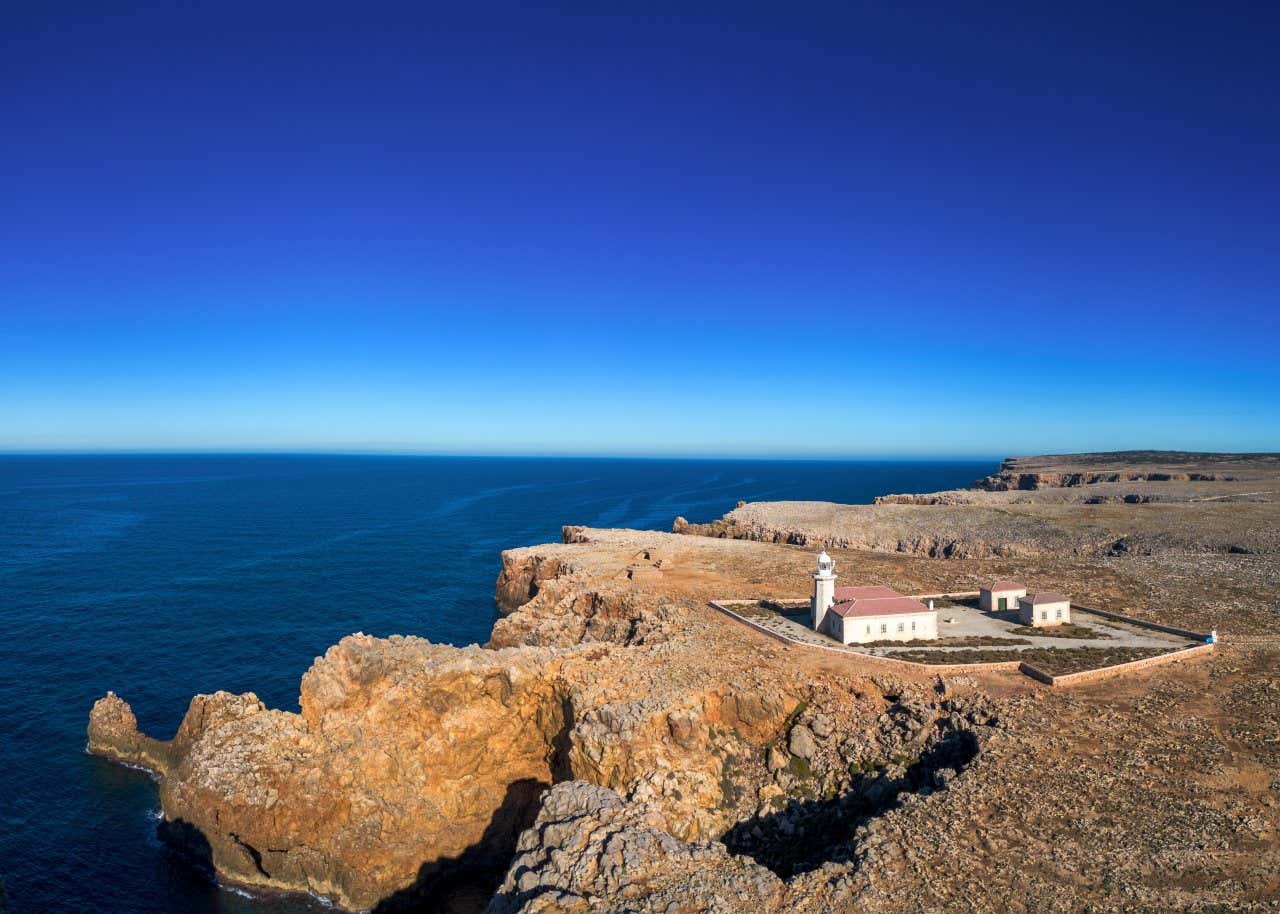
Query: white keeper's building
point(1040, 610)
point(858, 615)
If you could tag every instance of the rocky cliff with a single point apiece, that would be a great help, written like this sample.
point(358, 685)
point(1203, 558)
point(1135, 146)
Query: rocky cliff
point(409, 763)
point(412, 767)
point(909, 529)
point(1071, 470)
point(619, 746)
point(1075, 505)
point(813, 829)
point(558, 600)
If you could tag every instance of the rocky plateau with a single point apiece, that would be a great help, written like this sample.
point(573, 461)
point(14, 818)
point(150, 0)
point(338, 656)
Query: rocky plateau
point(620, 746)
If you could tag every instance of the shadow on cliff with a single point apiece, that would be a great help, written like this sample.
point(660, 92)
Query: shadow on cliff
point(188, 844)
point(805, 834)
point(453, 885)
point(465, 883)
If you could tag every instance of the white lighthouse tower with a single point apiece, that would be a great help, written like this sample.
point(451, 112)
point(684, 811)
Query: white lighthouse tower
point(824, 589)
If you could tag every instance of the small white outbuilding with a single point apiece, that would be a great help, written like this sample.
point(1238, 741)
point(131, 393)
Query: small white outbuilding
point(1001, 595)
point(1042, 609)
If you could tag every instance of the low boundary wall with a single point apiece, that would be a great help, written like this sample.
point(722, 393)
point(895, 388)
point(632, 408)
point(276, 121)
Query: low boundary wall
point(1021, 666)
point(1119, 669)
point(1078, 607)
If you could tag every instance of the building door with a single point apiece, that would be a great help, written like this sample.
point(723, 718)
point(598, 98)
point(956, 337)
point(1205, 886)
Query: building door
point(1004, 603)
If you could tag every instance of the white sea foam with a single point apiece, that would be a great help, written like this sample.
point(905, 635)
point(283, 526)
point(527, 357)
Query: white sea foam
point(131, 765)
point(258, 894)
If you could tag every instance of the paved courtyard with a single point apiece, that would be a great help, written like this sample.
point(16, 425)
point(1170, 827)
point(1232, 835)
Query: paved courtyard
point(962, 626)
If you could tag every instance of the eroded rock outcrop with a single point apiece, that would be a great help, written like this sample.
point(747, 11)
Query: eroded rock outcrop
point(883, 527)
point(113, 733)
point(408, 762)
point(695, 758)
point(550, 599)
point(591, 850)
point(838, 771)
point(1072, 470)
point(843, 766)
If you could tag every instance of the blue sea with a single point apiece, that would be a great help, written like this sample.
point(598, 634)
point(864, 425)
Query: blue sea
point(162, 576)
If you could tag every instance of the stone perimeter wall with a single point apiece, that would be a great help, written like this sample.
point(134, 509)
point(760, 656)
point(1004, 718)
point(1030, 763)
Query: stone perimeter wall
point(1021, 666)
point(1119, 669)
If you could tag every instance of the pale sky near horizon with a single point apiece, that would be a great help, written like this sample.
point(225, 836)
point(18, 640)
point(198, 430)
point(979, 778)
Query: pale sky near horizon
point(814, 230)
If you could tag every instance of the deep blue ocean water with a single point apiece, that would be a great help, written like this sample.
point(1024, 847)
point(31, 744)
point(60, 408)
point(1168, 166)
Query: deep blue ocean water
point(164, 576)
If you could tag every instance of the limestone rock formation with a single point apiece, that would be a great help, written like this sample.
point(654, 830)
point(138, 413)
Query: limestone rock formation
point(1069, 471)
point(408, 762)
point(113, 732)
point(555, 599)
point(588, 846)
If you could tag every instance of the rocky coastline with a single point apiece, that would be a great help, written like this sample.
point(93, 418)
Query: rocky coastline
point(617, 747)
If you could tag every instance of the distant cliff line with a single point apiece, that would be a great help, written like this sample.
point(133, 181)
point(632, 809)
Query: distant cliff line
point(1075, 505)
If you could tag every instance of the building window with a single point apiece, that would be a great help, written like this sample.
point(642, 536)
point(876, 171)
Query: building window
point(884, 627)
point(913, 625)
point(1044, 615)
point(901, 626)
point(868, 629)
point(1059, 614)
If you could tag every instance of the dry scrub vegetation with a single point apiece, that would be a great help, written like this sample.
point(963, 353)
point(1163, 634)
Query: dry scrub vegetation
point(676, 761)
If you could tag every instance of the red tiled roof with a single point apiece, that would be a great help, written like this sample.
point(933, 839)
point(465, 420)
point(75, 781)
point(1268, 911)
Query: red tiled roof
point(1005, 585)
point(895, 605)
point(874, 592)
point(1037, 598)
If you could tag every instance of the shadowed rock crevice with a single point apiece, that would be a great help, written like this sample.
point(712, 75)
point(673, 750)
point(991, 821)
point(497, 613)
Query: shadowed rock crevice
point(187, 843)
point(562, 744)
point(804, 834)
point(463, 884)
point(254, 854)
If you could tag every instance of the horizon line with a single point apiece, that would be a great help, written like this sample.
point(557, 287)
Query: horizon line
point(466, 455)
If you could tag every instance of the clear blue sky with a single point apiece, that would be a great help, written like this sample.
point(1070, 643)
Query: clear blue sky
point(762, 229)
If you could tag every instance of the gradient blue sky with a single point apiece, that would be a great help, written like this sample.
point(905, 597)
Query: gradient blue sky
point(783, 229)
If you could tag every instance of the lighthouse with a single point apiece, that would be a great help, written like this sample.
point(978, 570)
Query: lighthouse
point(824, 589)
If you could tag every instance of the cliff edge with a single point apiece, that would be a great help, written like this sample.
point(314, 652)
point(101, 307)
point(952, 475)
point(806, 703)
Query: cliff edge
point(620, 746)
point(409, 763)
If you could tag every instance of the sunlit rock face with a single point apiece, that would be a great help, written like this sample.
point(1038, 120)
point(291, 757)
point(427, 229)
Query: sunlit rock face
point(408, 761)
